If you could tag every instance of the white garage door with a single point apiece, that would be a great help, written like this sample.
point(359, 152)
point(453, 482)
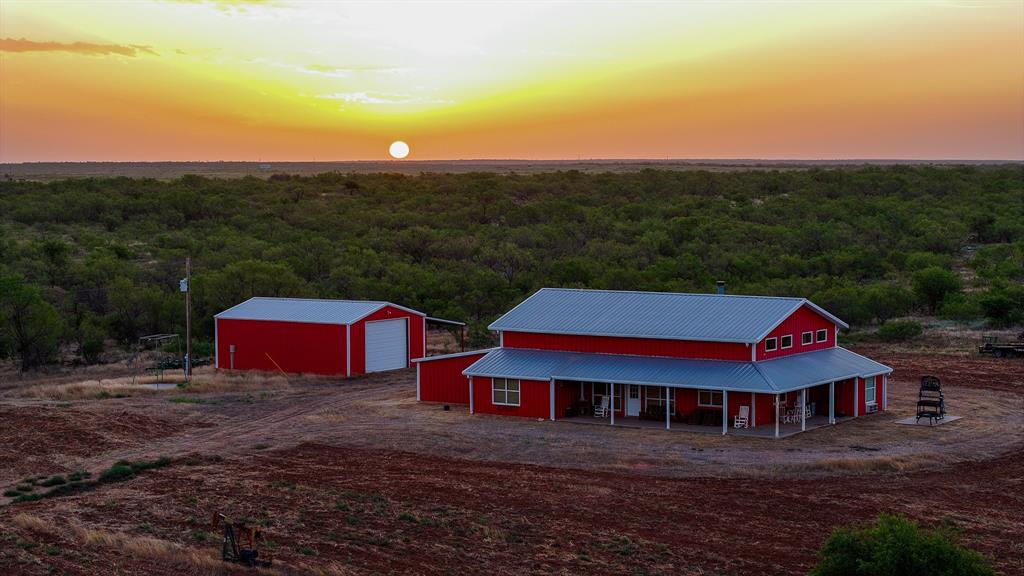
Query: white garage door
point(386, 345)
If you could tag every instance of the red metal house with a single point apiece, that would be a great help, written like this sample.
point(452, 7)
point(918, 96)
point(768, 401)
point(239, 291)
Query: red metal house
point(756, 365)
point(335, 337)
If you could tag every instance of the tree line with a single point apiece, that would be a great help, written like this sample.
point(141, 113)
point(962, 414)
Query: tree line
point(90, 263)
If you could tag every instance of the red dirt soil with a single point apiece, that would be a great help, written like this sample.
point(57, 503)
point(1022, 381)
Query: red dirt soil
point(360, 506)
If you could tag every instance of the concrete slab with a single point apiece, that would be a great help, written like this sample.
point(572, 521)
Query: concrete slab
point(924, 421)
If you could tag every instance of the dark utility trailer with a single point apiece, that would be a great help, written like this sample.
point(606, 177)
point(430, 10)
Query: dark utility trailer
point(992, 345)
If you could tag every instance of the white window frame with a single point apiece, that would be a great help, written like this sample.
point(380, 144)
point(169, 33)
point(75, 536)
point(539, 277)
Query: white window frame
point(712, 393)
point(810, 338)
point(606, 390)
point(782, 341)
point(506, 390)
point(821, 336)
point(659, 399)
point(774, 344)
point(871, 384)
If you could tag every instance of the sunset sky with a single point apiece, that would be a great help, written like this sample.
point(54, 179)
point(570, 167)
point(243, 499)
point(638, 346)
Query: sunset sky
point(279, 81)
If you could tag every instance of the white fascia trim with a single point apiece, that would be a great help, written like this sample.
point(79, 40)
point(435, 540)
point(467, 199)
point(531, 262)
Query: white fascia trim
point(452, 355)
point(217, 315)
point(216, 345)
point(393, 305)
point(659, 384)
point(495, 328)
point(507, 376)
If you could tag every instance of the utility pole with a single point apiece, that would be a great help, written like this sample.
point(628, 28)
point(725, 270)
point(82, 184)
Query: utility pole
point(188, 318)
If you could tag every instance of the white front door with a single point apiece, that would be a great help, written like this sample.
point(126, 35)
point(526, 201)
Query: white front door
point(633, 400)
point(386, 347)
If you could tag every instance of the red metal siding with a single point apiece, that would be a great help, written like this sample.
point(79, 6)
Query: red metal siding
point(566, 394)
point(636, 346)
point(844, 398)
point(297, 347)
point(415, 345)
point(534, 399)
point(803, 320)
point(442, 380)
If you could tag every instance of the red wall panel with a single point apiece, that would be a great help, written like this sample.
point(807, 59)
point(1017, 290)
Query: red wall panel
point(442, 380)
point(297, 347)
point(636, 346)
point(534, 399)
point(805, 319)
point(415, 344)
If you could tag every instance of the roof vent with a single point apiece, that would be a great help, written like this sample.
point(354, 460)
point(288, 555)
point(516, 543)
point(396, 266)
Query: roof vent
point(721, 287)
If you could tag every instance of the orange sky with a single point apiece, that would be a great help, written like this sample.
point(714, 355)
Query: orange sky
point(279, 81)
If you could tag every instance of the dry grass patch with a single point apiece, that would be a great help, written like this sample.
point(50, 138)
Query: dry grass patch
point(206, 381)
point(164, 552)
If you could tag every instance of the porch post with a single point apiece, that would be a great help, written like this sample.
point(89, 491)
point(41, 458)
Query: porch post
point(803, 410)
point(552, 399)
point(831, 402)
point(885, 392)
point(753, 409)
point(581, 391)
point(668, 408)
point(776, 415)
point(725, 412)
point(417, 381)
point(856, 397)
point(611, 402)
point(470, 394)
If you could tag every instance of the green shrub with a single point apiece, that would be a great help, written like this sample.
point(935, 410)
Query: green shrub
point(899, 330)
point(118, 472)
point(961, 307)
point(54, 480)
point(897, 546)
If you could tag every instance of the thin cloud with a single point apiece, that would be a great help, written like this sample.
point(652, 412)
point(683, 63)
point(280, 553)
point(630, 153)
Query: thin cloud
point(386, 98)
point(84, 48)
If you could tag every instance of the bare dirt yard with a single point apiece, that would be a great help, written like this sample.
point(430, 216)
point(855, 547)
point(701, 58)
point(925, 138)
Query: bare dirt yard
point(356, 477)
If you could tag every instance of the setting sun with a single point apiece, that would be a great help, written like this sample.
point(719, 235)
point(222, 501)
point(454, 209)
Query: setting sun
point(398, 150)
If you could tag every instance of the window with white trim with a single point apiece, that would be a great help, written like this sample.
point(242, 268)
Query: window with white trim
point(870, 391)
point(787, 341)
point(806, 338)
point(709, 398)
point(601, 390)
point(505, 391)
point(771, 344)
point(822, 335)
point(656, 398)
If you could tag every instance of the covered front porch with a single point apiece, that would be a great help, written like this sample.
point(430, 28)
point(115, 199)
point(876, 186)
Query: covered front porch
point(755, 432)
point(696, 409)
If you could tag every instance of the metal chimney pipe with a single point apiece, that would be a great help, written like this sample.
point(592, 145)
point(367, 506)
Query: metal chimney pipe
point(721, 287)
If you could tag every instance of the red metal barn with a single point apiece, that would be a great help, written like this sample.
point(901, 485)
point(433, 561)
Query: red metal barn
point(334, 337)
point(754, 365)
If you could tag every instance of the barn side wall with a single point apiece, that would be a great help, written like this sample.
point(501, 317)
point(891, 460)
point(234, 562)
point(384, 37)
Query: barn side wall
point(635, 346)
point(805, 319)
point(414, 345)
point(534, 399)
point(441, 380)
point(297, 347)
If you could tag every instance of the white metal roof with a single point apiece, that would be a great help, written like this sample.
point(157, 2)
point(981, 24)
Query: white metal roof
point(306, 310)
point(663, 315)
point(768, 376)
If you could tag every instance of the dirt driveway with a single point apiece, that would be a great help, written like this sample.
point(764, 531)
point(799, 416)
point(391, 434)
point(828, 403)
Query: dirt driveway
point(357, 477)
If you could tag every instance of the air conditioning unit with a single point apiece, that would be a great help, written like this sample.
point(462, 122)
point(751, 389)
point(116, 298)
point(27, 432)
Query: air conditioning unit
point(872, 408)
